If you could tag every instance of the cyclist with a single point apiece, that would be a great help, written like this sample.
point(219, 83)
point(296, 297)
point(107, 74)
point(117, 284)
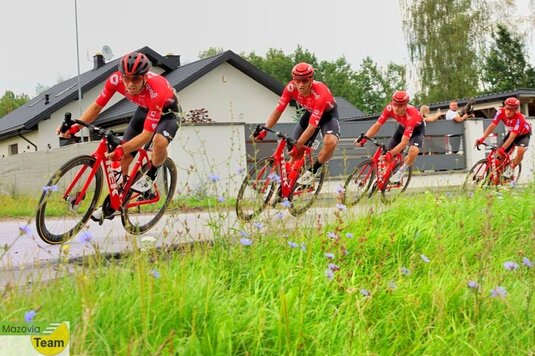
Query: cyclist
point(518, 132)
point(410, 131)
point(155, 117)
point(321, 113)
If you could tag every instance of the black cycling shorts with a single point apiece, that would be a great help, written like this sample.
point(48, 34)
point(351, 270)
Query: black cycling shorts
point(329, 125)
point(167, 126)
point(417, 138)
point(522, 141)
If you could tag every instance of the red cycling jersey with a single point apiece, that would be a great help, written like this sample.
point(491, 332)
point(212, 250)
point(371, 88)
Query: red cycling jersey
point(516, 124)
point(409, 121)
point(155, 96)
point(317, 102)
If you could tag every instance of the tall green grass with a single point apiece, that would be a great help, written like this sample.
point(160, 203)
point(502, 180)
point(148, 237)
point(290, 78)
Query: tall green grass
point(432, 274)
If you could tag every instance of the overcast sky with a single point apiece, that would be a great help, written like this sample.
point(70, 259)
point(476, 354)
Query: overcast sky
point(39, 37)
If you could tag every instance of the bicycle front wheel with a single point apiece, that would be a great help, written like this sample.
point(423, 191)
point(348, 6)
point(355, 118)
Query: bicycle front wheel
point(394, 189)
point(141, 211)
point(65, 205)
point(303, 196)
point(358, 183)
point(477, 177)
point(257, 189)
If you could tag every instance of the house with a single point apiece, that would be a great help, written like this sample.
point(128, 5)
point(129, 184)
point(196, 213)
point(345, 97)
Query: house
point(227, 86)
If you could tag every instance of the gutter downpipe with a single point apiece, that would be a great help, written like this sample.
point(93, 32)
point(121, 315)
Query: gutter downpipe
point(25, 139)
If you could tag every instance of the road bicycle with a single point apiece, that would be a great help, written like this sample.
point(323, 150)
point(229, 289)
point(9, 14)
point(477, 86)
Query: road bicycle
point(275, 177)
point(374, 174)
point(488, 172)
point(73, 192)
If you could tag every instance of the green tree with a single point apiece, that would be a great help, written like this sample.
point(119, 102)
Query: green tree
point(10, 102)
point(210, 52)
point(446, 39)
point(506, 66)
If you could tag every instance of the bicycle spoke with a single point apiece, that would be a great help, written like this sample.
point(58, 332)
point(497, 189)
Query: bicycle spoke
point(142, 211)
point(358, 183)
point(394, 189)
point(303, 197)
point(65, 205)
point(477, 177)
point(257, 189)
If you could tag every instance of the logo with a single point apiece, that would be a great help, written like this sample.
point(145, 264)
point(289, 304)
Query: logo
point(35, 338)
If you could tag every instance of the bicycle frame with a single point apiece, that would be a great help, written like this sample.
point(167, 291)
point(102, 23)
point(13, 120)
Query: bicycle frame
point(382, 177)
point(117, 195)
point(287, 170)
point(496, 165)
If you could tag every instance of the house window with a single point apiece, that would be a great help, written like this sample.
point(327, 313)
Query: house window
point(13, 149)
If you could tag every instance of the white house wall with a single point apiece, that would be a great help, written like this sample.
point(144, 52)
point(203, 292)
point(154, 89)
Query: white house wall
point(232, 96)
point(22, 145)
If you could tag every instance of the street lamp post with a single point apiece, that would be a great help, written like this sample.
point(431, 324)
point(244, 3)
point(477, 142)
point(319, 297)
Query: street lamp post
point(78, 63)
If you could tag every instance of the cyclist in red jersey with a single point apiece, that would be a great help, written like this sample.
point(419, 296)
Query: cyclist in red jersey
point(518, 132)
point(321, 113)
point(410, 132)
point(155, 118)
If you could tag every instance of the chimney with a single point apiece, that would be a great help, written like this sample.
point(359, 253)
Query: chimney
point(174, 58)
point(98, 61)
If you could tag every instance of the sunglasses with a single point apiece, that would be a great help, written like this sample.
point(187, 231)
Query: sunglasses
point(135, 79)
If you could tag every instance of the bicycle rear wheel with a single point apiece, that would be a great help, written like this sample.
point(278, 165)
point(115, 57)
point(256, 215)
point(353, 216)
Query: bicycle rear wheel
point(141, 211)
point(257, 189)
point(394, 190)
point(59, 217)
point(358, 183)
point(477, 176)
point(303, 196)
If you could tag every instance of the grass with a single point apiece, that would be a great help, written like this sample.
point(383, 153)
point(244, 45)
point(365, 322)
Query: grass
point(433, 274)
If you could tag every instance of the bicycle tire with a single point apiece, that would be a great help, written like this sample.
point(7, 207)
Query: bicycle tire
point(302, 197)
point(358, 183)
point(141, 218)
point(477, 176)
point(256, 189)
point(54, 230)
point(394, 190)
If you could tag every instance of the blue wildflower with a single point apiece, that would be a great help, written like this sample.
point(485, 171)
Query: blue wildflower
point(349, 235)
point(498, 292)
point(526, 262)
point(365, 292)
point(258, 225)
point(331, 235)
point(85, 236)
point(155, 274)
point(303, 247)
point(424, 258)
point(26, 230)
point(329, 255)
point(221, 199)
point(279, 215)
point(274, 177)
point(329, 273)
point(473, 285)
point(392, 285)
point(405, 271)
point(333, 267)
point(214, 177)
point(292, 244)
point(510, 266)
point(29, 315)
point(240, 170)
point(245, 241)
point(341, 207)
point(340, 189)
point(286, 203)
point(244, 233)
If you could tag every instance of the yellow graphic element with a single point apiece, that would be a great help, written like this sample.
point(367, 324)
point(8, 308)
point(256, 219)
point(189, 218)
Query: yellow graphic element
point(53, 343)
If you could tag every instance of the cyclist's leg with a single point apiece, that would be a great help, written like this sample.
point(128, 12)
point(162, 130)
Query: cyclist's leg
point(134, 128)
point(521, 143)
point(416, 143)
point(330, 130)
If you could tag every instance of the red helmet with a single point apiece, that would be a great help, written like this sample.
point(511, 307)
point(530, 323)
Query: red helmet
point(302, 71)
point(134, 63)
point(512, 103)
point(400, 97)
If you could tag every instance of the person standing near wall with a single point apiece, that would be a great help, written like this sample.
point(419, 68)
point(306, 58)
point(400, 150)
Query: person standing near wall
point(453, 115)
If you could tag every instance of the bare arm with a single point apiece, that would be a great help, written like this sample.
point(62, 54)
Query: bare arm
point(273, 118)
point(372, 131)
point(488, 131)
